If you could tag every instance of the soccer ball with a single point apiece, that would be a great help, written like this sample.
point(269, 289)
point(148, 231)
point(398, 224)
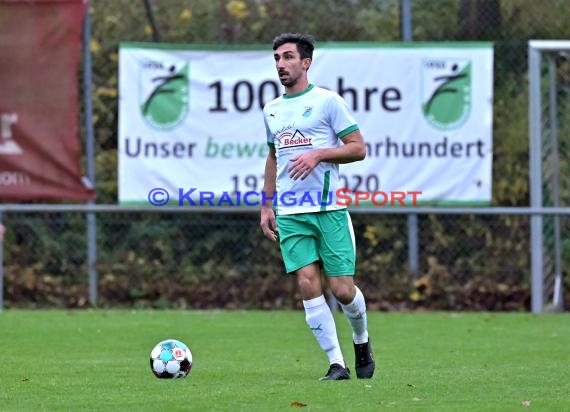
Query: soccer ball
point(170, 359)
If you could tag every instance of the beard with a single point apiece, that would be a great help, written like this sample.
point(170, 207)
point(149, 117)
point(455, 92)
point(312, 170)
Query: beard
point(289, 82)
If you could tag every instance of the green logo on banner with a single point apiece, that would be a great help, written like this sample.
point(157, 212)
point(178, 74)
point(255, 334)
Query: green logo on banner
point(446, 92)
point(164, 94)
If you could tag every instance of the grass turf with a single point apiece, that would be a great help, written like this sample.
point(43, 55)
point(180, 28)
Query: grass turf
point(268, 361)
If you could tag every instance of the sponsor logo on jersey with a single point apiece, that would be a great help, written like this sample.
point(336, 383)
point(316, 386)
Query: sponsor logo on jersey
point(297, 139)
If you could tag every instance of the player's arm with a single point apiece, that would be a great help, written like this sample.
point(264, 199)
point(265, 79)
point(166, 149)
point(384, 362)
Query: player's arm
point(268, 223)
point(352, 150)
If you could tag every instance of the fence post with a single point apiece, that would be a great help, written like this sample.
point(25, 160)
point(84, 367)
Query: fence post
point(90, 158)
point(406, 13)
point(413, 232)
point(535, 159)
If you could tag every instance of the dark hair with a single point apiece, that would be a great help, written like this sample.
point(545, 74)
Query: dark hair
point(305, 43)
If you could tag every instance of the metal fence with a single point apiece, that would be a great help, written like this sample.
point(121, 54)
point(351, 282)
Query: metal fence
point(474, 259)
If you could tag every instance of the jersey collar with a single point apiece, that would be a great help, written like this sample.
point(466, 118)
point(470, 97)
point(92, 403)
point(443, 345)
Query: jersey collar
point(292, 96)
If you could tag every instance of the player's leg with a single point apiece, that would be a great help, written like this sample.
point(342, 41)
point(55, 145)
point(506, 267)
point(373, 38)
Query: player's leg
point(298, 247)
point(355, 312)
point(352, 304)
point(338, 253)
point(320, 320)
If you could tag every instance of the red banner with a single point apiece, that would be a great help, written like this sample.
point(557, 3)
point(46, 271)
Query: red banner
point(40, 45)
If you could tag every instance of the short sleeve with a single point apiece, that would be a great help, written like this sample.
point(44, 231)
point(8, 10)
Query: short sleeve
point(269, 136)
point(342, 121)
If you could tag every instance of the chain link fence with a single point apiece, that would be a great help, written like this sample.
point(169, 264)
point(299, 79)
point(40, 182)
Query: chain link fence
point(207, 260)
point(213, 260)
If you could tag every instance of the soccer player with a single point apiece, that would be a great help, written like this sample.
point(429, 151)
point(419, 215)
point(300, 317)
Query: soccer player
point(310, 131)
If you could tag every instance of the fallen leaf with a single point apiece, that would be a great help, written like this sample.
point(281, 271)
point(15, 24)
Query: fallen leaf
point(298, 404)
point(525, 403)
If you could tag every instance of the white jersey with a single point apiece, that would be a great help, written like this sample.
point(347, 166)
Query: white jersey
point(315, 118)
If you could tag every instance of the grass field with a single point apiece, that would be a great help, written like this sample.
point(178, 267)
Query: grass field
point(268, 361)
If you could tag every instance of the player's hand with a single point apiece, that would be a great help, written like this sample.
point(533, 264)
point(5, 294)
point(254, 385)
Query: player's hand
point(304, 164)
point(268, 223)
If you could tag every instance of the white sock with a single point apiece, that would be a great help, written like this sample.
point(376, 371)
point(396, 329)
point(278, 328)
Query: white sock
point(355, 312)
point(321, 322)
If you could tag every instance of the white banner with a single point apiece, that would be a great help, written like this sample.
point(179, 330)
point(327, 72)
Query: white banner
point(191, 126)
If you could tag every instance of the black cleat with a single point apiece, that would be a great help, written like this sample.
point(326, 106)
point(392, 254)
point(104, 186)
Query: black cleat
point(336, 373)
point(364, 360)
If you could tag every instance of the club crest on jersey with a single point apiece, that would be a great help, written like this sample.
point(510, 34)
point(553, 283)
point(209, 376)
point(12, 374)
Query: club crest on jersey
point(297, 139)
point(308, 111)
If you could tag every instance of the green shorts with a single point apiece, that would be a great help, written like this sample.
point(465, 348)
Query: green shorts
point(324, 237)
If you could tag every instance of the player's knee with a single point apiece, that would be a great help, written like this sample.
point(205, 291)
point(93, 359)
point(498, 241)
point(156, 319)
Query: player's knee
point(309, 286)
point(344, 293)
